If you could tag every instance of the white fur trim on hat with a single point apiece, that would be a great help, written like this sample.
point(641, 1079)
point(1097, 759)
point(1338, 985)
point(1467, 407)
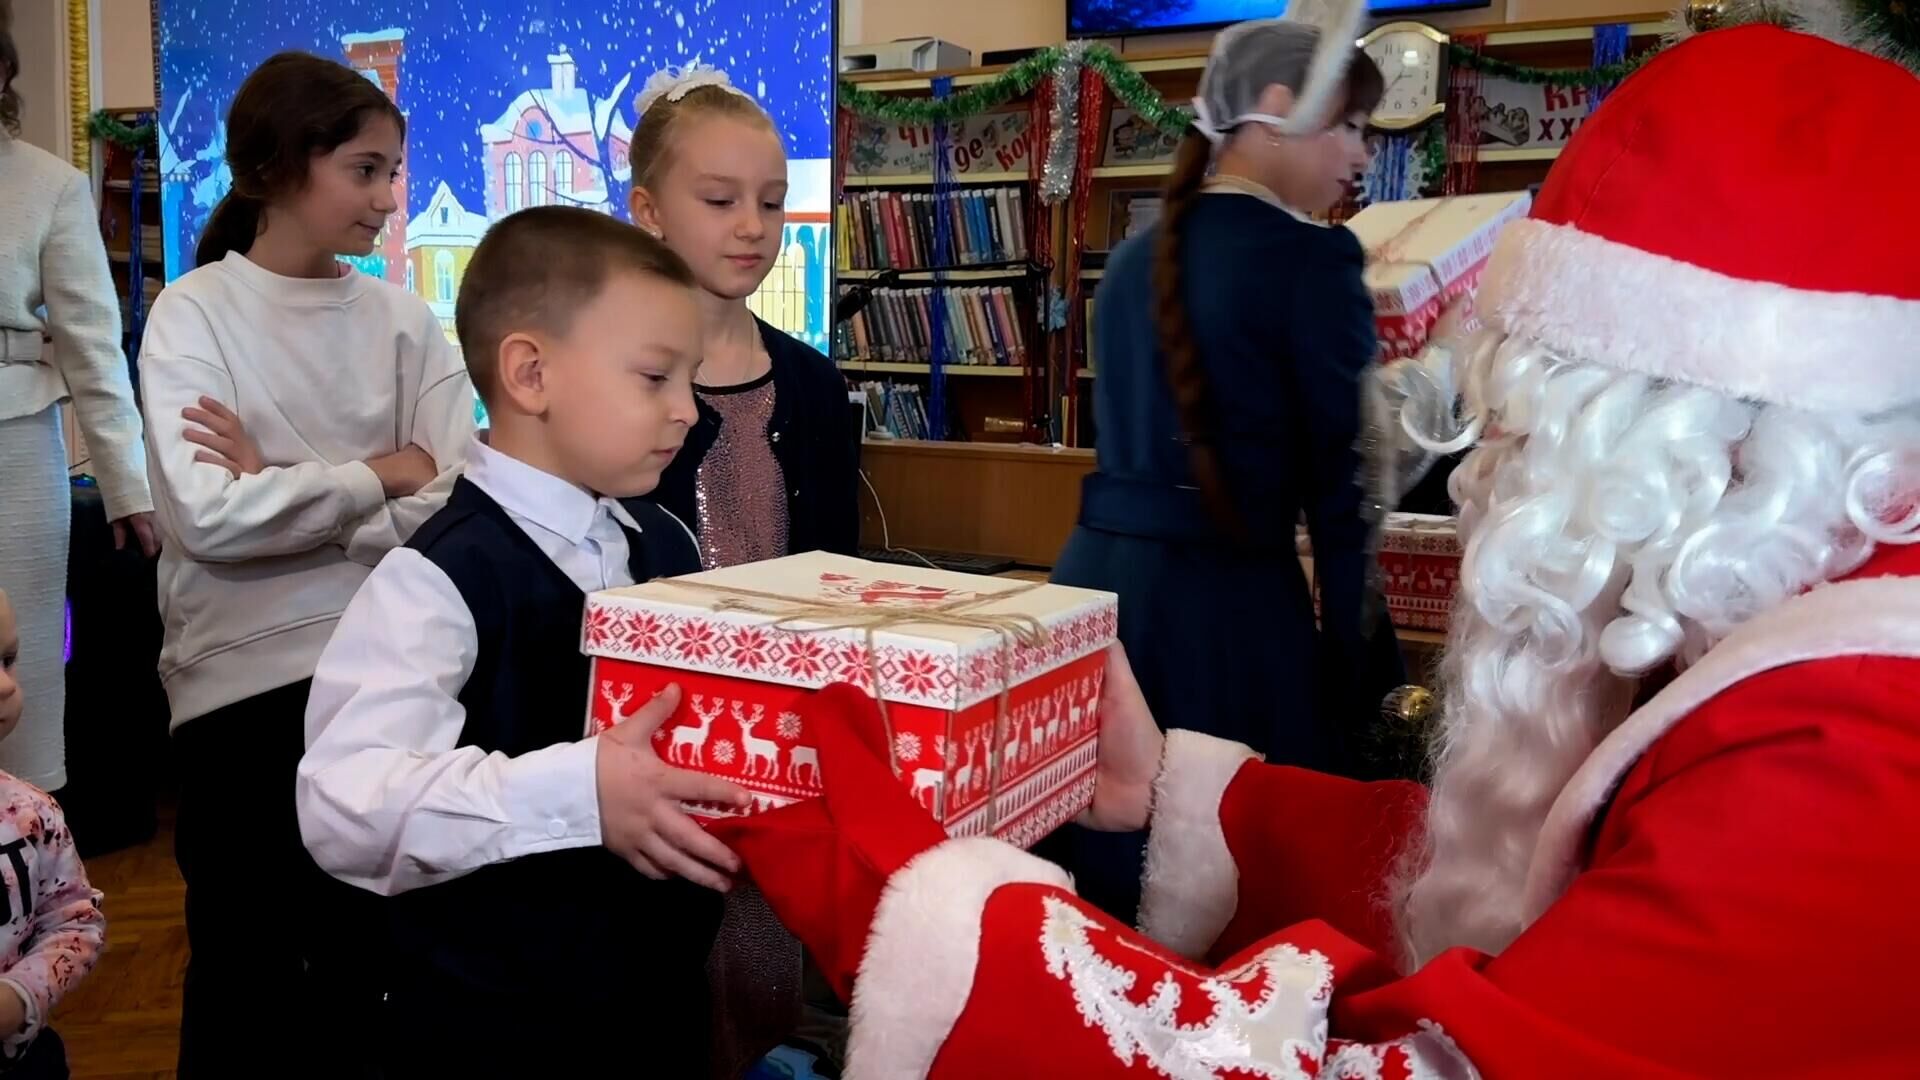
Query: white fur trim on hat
point(1192, 886)
point(918, 969)
point(1593, 299)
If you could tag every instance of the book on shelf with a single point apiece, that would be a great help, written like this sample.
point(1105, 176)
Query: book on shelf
point(897, 410)
point(881, 229)
point(983, 326)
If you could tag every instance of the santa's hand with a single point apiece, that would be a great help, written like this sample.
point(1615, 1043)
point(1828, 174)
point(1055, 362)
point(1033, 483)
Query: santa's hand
point(1130, 747)
point(640, 796)
point(823, 863)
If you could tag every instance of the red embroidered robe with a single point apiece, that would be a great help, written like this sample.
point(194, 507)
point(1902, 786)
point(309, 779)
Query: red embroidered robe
point(1726, 888)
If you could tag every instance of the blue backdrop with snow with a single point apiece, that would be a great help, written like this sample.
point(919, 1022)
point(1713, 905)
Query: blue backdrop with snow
point(508, 103)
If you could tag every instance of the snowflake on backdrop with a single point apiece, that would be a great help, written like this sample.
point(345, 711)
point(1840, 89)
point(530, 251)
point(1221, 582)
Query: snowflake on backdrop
point(906, 747)
point(940, 749)
point(723, 751)
point(788, 725)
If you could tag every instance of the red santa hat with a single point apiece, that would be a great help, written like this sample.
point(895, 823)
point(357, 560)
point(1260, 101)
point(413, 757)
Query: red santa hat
point(1735, 217)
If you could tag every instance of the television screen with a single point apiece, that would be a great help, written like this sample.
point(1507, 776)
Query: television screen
point(1149, 16)
point(510, 103)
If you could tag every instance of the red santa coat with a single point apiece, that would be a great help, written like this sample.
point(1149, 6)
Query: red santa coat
point(1726, 888)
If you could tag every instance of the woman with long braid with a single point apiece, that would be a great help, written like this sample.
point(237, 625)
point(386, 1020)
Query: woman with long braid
point(1231, 340)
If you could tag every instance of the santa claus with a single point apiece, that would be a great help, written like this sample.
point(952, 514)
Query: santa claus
point(1674, 828)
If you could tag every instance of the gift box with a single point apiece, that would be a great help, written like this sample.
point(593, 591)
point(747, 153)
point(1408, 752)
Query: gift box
point(990, 687)
point(1419, 569)
point(1425, 256)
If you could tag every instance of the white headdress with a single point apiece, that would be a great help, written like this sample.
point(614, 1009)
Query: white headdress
point(1245, 54)
point(675, 83)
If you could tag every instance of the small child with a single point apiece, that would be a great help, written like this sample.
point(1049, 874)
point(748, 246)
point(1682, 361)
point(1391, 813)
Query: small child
point(54, 928)
point(445, 766)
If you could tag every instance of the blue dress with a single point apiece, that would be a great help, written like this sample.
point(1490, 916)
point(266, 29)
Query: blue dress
point(1223, 635)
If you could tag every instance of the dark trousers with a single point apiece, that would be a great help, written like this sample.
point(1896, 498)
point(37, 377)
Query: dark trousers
point(284, 958)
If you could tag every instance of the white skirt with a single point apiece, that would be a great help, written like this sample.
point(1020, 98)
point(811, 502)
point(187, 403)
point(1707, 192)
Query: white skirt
point(36, 516)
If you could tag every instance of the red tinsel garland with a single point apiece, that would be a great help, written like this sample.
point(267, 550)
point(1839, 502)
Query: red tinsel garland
point(1463, 126)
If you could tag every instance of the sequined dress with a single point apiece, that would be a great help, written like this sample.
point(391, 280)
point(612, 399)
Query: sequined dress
point(740, 494)
point(740, 500)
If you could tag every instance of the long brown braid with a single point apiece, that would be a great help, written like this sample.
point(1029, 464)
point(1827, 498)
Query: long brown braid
point(1192, 397)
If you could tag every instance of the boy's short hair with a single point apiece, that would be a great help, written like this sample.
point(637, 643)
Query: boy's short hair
point(535, 269)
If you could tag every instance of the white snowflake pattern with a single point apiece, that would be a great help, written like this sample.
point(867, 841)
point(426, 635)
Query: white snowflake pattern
point(906, 747)
point(940, 749)
point(723, 751)
point(788, 725)
point(659, 734)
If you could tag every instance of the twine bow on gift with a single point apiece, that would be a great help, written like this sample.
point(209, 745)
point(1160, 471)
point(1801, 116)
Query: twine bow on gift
point(1015, 630)
point(1389, 254)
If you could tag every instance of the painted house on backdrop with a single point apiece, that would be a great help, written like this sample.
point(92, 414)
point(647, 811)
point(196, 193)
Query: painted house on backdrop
point(557, 145)
point(377, 56)
point(794, 296)
point(440, 242)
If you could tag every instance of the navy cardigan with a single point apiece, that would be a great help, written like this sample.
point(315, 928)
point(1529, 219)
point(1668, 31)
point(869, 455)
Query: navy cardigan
point(813, 440)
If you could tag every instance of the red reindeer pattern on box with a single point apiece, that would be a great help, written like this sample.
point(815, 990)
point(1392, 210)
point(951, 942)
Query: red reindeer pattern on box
point(990, 737)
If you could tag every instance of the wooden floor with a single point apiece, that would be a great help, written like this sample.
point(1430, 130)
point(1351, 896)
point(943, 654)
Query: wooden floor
point(124, 1021)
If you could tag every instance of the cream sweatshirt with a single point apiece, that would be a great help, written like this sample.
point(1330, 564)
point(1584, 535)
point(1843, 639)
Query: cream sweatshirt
point(324, 374)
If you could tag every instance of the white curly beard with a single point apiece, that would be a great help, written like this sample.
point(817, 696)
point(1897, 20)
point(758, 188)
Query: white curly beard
point(1614, 525)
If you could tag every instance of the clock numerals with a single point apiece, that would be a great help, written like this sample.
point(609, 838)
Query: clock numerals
point(1411, 59)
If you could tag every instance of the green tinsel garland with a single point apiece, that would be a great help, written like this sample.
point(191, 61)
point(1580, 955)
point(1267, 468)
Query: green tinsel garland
point(1131, 88)
point(104, 125)
point(1128, 86)
point(1565, 78)
point(1433, 154)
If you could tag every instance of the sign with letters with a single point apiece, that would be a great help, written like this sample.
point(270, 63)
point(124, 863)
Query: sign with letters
point(1515, 115)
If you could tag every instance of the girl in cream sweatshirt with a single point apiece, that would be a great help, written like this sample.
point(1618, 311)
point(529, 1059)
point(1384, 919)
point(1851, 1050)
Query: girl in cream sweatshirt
point(302, 419)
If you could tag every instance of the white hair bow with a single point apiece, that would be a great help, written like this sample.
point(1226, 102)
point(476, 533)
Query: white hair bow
point(675, 83)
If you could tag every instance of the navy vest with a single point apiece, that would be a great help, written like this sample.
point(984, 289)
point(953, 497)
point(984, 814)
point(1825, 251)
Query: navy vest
point(578, 936)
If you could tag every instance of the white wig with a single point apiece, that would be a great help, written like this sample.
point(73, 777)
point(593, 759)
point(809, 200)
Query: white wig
point(1614, 524)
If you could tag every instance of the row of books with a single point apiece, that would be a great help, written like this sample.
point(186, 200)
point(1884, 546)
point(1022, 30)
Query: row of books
point(881, 229)
point(897, 409)
point(983, 326)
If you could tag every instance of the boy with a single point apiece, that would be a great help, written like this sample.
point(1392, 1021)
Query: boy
point(51, 927)
point(445, 766)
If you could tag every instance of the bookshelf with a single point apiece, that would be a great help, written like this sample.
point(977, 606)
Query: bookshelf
point(1131, 167)
point(956, 274)
point(1135, 162)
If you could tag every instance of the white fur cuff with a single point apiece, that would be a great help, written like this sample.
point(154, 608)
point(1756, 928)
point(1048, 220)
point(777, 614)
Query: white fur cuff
point(1589, 298)
point(1192, 886)
point(924, 948)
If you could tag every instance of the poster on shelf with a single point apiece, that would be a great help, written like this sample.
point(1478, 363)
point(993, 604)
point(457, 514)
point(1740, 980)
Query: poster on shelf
point(509, 104)
point(1516, 116)
point(1133, 141)
point(984, 145)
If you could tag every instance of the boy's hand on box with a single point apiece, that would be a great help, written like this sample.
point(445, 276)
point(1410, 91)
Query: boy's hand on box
point(640, 795)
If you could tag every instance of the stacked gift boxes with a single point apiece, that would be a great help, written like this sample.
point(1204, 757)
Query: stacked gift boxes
point(1425, 256)
point(1419, 569)
point(990, 687)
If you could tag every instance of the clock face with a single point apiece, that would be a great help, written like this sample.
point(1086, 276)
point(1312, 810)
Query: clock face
point(1411, 68)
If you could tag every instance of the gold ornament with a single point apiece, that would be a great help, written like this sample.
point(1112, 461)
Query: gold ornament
point(1704, 15)
point(1410, 705)
point(79, 84)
